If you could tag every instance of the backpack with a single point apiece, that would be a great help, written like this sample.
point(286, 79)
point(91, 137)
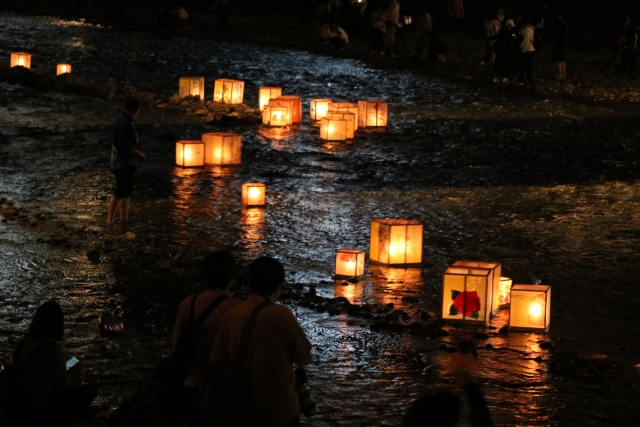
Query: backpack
point(223, 392)
point(14, 381)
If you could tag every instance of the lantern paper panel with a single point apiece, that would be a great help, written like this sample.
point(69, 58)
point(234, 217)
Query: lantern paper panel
point(349, 263)
point(333, 129)
point(253, 194)
point(396, 242)
point(283, 103)
point(318, 108)
point(20, 59)
point(496, 268)
point(345, 107)
point(275, 115)
point(228, 91)
point(351, 121)
point(296, 107)
point(222, 148)
point(504, 292)
point(63, 69)
point(372, 113)
point(265, 93)
point(530, 307)
point(191, 86)
point(466, 294)
point(190, 154)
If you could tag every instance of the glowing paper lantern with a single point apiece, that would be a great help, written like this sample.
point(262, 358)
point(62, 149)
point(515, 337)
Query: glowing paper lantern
point(190, 154)
point(296, 107)
point(466, 294)
point(504, 292)
point(351, 122)
point(333, 129)
point(496, 271)
point(191, 86)
point(345, 107)
point(63, 69)
point(349, 263)
point(276, 113)
point(265, 93)
point(396, 242)
point(227, 91)
point(319, 108)
point(530, 308)
point(253, 194)
point(20, 59)
point(372, 113)
point(222, 148)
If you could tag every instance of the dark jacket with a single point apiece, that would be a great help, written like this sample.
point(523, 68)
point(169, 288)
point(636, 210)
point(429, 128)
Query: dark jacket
point(124, 143)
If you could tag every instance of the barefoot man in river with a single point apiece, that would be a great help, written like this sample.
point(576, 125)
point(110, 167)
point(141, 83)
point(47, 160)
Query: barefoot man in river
point(125, 156)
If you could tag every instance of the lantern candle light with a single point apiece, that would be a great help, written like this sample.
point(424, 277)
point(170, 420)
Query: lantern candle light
point(191, 86)
point(396, 242)
point(333, 129)
point(190, 154)
point(20, 59)
point(296, 107)
point(228, 91)
point(372, 113)
point(253, 194)
point(530, 308)
point(276, 114)
point(466, 294)
point(351, 121)
point(349, 263)
point(265, 93)
point(63, 69)
point(222, 148)
point(319, 108)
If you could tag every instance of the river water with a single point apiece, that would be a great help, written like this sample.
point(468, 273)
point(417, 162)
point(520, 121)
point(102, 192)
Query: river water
point(546, 186)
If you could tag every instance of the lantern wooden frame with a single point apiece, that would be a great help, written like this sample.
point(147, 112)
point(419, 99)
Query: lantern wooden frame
point(63, 69)
point(191, 86)
point(345, 107)
point(222, 148)
point(333, 129)
point(253, 194)
point(296, 107)
point(496, 269)
point(319, 108)
point(266, 93)
point(396, 242)
point(21, 59)
point(228, 91)
point(351, 122)
point(349, 263)
point(466, 294)
point(190, 154)
point(530, 308)
point(372, 113)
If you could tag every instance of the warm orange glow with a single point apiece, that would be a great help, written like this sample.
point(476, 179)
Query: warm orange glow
point(349, 263)
point(372, 113)
point(191, 86)
point(504, 291)
point(276, 114)
point(190, 154)
point(345, 107)
point(319, 108)
point(396, 242)
point(63, 69)
point(265, 93)
point(496, 272)
point(333, 129)
point(295, 107)
point(351, 121)
point(466, 294)
point(20, 59)
point(253, 194)
point(535, 309)
point(530, 307)
point(222, 148)
point(228, 91)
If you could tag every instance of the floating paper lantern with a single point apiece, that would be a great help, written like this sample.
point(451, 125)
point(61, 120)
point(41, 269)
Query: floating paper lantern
point(333, 129)
point(191, 86)
point(504, 292)
point(20, 59)
point(253, 194)
point(372, 113)
point(530, 308)
point(349, 263)
point(466, 294)
point(63, 69)
point(396, 242)
point(496, 271)
point(351, 122)
point(190, 154)
point(265, 93)
point(276, 114)
point(296, 107)
point(228, 91)
point(319, 108)
point(345, 107)
point(222, 148)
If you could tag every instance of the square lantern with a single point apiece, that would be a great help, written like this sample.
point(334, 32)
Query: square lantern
point(275, 115)
point(530, 308)
point(396, 242)
point(265, 93)
point(496, 269)
point(504, 292)
point(466, 294)
point(222, 148)
point(20, 59)
point(351, 122)
point(372, 113)
point(345, 107)
point(253, 194)
point(319, 108)
point(190, 154)
point(349, 263)
point(228, 91)
point(296, 107)
point(333, 129)
point(191, 86)
point(63, 69)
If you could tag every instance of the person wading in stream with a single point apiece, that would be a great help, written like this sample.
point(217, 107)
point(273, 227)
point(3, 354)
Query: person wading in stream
point(125, 155)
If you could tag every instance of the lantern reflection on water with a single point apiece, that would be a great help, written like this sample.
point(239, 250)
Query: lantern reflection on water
point(190, 154)
point(345, 107)
point(466, 294)
point(351, 121)
point(63, 69)
point(333, 129)
point(349, 263)
point(319, 107)
point(191, 86)
point(228, 91)
point(396, 242)
point(530, 308)
point(372, 113)
point(496, 272)
point(253, 194)
point(295, 107)
point(222, 148)
point(20, 59)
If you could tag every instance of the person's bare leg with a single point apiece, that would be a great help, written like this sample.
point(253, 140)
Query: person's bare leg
point(124, 209)
point(113, 203)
